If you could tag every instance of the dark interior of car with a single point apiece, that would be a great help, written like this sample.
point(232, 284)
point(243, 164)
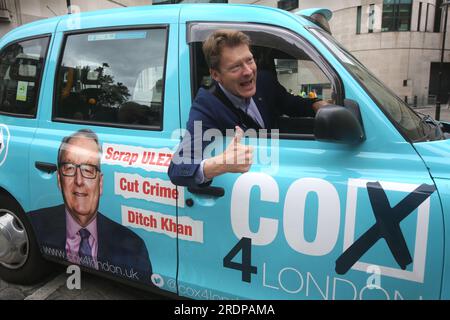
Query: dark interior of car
point(83, 99)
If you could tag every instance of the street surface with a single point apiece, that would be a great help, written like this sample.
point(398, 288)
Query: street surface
point(92, 288)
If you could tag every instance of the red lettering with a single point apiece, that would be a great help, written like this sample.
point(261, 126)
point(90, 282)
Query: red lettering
point(109, 152)
point(134, 157)
point(187, 230)
point(160, 159)
point(169, 157)
point(152, 158)
point(145, 157)
point(116, 155)
point(131, 217)
point(165, 224)
point(159, 191)
point(146, 187)
point(123, 183)
point(168, 224)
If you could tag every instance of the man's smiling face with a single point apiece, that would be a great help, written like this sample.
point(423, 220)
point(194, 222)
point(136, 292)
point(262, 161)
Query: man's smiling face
point(81, 195)
point(237, 71)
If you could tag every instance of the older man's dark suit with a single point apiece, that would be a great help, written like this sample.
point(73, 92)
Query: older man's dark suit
point(117, 245)
point(215, 110)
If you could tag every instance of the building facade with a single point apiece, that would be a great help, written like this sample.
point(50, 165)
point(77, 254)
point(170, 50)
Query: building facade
point(400, 41)
point(14, 13)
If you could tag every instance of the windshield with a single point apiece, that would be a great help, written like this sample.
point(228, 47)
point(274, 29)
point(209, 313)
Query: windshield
point(405, 119)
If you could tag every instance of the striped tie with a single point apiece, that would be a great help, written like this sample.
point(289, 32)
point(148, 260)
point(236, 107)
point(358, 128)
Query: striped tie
point(85, 251)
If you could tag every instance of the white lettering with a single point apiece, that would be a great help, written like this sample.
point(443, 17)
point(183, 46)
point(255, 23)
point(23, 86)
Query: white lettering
point(300, 277)
point(328, 216)
point(342, 296)
point(240, 207)
point(372, 291)
point(374, 281)
point(74, 280)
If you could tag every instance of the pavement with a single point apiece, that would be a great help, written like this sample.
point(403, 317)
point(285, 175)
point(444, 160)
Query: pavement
point(92, 288)
point(431, 110)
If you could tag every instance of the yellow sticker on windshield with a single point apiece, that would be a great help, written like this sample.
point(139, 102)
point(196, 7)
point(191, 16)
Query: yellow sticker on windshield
point(22, 88)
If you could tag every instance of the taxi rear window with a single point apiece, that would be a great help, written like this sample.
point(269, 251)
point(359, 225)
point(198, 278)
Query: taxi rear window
point(21, 66)
point(112, 78)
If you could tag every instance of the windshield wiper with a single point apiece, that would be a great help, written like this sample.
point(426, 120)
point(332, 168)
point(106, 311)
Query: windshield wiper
point(432, 125)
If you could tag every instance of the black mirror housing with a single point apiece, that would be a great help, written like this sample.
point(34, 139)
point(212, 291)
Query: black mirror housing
point(338, 124)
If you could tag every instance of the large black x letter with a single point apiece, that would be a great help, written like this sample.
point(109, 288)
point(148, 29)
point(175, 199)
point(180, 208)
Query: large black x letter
point(387, 226)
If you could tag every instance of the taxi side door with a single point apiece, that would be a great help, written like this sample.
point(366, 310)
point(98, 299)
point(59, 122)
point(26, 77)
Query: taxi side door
point(287, 228)
point(120, 82)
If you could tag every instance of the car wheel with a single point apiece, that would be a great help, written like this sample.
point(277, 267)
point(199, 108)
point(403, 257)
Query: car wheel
point(21, 261)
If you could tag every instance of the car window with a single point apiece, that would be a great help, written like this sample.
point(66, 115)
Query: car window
point(112, 78)
point(283, 58)
point(304, 78)
point(404, 118)
point(149, 85)
point(21, 66)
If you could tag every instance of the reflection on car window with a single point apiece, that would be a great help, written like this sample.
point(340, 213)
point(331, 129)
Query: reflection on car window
point(304, 78)
point(113, 77)
point(21, 65)
point(405, 118)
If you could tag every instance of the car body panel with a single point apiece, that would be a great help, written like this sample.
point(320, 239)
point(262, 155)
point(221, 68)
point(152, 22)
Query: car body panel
point(267, 200)
point(284, 230)
point(435, 154)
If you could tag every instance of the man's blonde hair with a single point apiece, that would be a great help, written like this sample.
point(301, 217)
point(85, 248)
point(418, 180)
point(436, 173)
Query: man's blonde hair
point(213, 45)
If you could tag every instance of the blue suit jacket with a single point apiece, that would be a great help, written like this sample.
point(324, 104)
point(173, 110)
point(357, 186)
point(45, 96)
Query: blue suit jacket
point(117, 245)
point(215, 110)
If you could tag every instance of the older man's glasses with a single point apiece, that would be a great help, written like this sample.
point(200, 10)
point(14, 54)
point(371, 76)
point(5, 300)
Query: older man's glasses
point(88, 171)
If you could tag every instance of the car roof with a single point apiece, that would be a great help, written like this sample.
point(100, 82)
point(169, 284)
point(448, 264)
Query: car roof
point(29, 30)
point(153, 14)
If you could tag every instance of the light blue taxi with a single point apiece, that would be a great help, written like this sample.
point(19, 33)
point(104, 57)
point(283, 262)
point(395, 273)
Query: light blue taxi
point(351, 204)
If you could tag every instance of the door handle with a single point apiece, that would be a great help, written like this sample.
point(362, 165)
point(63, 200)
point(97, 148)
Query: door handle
point(46, 167)
point(210, 191)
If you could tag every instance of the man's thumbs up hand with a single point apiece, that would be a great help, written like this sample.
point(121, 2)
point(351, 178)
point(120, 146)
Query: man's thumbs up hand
point(236, 158)
point(238, 135)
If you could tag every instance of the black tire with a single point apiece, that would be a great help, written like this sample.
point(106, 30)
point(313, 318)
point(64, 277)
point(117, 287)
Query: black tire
point(35, 268)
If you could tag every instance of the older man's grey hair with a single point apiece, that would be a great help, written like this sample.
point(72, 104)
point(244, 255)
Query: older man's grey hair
point(83, 133)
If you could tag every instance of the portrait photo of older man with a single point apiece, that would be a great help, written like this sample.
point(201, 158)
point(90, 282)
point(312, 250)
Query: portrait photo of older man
point(76, 228)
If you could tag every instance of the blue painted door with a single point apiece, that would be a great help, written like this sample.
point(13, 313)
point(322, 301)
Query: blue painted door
point(120, 83)
point(313, 220)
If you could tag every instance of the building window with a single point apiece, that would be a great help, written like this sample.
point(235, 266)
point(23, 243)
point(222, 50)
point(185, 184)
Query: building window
point(358, 19)
point(4, 13)
point(396, 15)
point(288, 4)
point(437, 16)
point(419, 18)
point(371, 17)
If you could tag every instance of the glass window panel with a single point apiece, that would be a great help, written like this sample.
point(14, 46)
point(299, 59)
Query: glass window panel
point(113, 77)
point(21, 66)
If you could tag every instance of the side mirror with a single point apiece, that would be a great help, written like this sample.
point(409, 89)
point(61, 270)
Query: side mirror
point(338, 124)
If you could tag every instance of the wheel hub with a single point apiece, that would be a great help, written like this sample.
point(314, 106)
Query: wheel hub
point(13, 241)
